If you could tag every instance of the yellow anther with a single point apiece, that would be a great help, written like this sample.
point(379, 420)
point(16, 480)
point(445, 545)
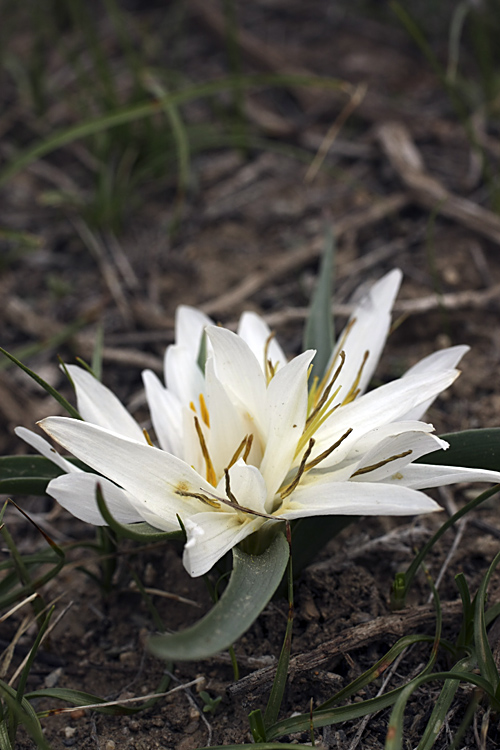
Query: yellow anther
point(192, 406)
point(340, 351)
point(366, 469)
point(237, 453)
point(148, 439)
point(199, 496)
point(326, 453)
point(249, 439)
point(298, 476)
point(316, 420)
point(354, 390)
point(269, 367)
point(326, 392)
point(204, 411)
point(210, 471)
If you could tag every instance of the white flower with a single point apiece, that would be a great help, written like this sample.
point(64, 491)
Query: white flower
point(245, 443)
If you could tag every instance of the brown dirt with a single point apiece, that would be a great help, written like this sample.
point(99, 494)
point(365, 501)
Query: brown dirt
point(247, 214)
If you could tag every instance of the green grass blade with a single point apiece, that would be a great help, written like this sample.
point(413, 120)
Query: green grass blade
point(374, 672)
point(442, 705)
point(319, 333)
point(395, 728)
point(23, 713)
point(52, 391)
point(281, 676)
point(409, 575)
point(145, 110)
point(261, 746)
point(178, 131)
point(482, 650)
point(253, 581)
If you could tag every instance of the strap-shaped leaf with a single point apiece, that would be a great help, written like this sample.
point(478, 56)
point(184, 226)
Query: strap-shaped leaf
point(28, 475)
point(319, 333)
point(253, 581)
point(477, 449)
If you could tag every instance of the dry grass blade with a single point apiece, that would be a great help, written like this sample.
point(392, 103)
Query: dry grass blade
point(135, 699)
point(399, 147)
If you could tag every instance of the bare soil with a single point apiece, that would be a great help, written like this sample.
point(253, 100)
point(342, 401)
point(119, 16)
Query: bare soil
point(248, 235)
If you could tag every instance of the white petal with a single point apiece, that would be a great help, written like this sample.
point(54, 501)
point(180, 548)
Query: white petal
point(366, 331)
point(418, 443)
point(286, 408)
point(374, 437)
point(436, 362)
point(382, 405)
point(42, 446)
point(425, 476)
point(152, 476)
point(355, 499)
point(77, 493)
point(240, 373)
point(166, 414)
point(98, 405)
point(210, 536)
point(227, 425)
point(189, 326)
point(183, 375)
point(247, 486)
point(256, 333)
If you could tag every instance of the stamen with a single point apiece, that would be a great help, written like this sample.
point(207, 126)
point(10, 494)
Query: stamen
point(249, 440)
point(228, 488)
point(326, 392)
point(192, 406)
point(204, 411)
point(241, 509)
point(298, 476)
point(321, 416)
point(198, 496)
point(366, 469)
point(269, 368)
point(237, 452)
point(326, 376)
point(354, 390)
point(326, 453)
point(148, 439)
point(245, 444)
point(210, 471)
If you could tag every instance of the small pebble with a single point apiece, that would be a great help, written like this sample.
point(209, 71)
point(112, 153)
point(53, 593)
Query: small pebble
point(110, 745)
point(69, 732)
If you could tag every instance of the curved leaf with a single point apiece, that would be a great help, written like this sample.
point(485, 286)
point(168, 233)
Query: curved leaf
point(477, 449)
point(319, 333)
point(253, 581)
point(141, 532)
point(28, 475)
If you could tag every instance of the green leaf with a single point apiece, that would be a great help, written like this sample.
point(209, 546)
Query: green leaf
point(253, 581)
point(477, 449)
point(319, 332)
point(28, 475)
point(141, 532)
